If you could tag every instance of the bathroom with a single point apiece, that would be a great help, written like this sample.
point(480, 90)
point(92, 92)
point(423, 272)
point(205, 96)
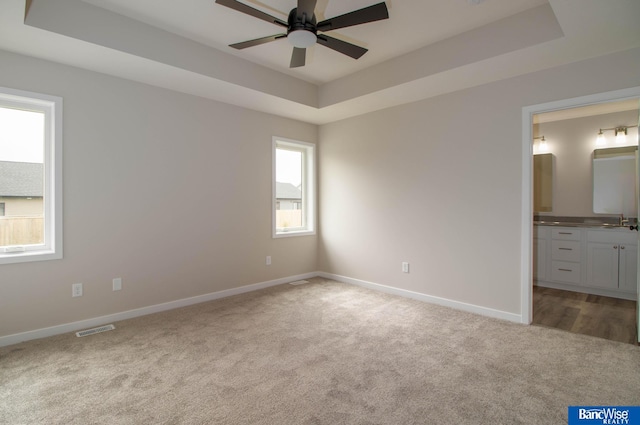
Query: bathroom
point(585, 246)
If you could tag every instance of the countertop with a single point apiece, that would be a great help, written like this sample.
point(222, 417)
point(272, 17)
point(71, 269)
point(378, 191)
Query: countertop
point(592, 222)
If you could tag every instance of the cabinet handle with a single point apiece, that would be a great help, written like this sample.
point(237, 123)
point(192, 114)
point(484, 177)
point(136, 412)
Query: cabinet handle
point(565, 233)
point(565, 270)
point(621, 247)
point(566, 249)
point(615, 247)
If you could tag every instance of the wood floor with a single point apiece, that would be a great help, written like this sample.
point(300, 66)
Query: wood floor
point(603, 317)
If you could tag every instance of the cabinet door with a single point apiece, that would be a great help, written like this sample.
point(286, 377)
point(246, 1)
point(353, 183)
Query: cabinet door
point(602, 265)
point(628, 268)
point(539, 259)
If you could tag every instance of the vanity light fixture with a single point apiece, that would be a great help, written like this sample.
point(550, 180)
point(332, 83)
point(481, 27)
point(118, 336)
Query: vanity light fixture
point(542, 144)
point(601, 141)
point(620, 133)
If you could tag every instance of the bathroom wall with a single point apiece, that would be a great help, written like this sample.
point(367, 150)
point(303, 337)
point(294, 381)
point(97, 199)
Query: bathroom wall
point(572, 143)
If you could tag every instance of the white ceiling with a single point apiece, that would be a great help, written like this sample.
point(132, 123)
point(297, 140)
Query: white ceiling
point(588, 111)
point(412, 24)
point(426, 48)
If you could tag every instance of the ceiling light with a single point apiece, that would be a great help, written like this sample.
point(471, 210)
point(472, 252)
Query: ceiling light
point(302, 38)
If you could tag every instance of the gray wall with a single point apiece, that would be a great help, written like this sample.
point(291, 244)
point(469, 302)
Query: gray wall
point(171, 192)
point(437, 183)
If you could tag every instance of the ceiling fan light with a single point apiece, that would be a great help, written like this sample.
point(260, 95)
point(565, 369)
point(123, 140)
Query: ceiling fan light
point(302, 38)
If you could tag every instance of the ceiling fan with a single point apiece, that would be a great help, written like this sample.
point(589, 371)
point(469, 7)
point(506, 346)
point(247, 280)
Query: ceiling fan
point(302, 28)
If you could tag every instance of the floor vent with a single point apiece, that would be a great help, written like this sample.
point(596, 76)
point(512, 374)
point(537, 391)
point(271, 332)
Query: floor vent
point(97, 330)
point(298, 282)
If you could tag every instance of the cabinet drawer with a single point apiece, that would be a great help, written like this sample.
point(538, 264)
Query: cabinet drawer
point(562, 271)
point(565, 250)
point(565, 233)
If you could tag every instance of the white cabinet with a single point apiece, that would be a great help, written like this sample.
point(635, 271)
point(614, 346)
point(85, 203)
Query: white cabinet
point(566, 233)
point(591, 260)
point(566, 254)
point(565, 250)
point(628, 268)
point(540, 241)
point(602, 261)
point(612, 260)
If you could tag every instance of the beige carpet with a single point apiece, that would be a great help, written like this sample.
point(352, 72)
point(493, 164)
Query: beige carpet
point(319, 353)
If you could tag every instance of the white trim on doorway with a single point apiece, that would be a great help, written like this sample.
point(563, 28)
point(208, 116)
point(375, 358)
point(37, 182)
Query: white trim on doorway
point(526, 261)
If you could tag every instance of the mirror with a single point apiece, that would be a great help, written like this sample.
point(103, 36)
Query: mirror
point(614, 181)
point(542, 182)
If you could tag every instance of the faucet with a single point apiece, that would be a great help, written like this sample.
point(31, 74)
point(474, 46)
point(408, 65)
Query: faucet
point(623, 221)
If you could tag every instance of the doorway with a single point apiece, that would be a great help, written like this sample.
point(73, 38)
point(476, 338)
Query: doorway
point(564, 306)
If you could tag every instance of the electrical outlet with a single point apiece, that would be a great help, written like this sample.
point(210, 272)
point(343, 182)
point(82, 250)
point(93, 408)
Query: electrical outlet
point(76, 290)
point(117, 283)
point(405, 267)
point(268, 260)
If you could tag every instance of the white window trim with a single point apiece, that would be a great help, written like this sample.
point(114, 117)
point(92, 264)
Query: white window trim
point(308, 190)
point(51, 106)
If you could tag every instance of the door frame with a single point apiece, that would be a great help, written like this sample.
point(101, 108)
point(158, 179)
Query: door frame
point(526, 259)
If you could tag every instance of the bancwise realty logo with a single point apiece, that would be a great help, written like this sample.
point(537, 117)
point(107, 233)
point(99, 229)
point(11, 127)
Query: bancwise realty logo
point(604, 415)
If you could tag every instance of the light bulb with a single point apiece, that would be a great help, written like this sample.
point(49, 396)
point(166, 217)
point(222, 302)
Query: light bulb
point(542, 146)
point(302, 38)
point(601, 141)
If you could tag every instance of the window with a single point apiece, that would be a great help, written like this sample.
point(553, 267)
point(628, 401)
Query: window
point(293, 188)
point(30, 176)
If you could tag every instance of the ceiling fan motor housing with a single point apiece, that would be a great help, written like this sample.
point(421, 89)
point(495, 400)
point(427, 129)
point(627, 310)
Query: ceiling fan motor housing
point(303, 22)
point(302, 31)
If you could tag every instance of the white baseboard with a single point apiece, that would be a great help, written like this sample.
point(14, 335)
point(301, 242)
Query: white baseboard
point(471, 308)
point(97, 321)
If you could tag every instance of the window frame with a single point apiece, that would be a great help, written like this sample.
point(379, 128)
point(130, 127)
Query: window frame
point(51, 106)
point(308, 187)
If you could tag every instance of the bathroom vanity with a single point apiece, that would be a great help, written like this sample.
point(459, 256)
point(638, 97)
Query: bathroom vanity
point(595, 258)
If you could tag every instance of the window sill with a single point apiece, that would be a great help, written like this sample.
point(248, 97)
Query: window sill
point(29, 256)
point(294, 233)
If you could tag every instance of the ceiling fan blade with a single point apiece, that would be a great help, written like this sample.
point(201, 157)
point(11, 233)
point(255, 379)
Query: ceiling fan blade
point(241, 7)
point(257, 41)
point(298, 57)
point(342, 46)
point(373, 13)
point(308, 7)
